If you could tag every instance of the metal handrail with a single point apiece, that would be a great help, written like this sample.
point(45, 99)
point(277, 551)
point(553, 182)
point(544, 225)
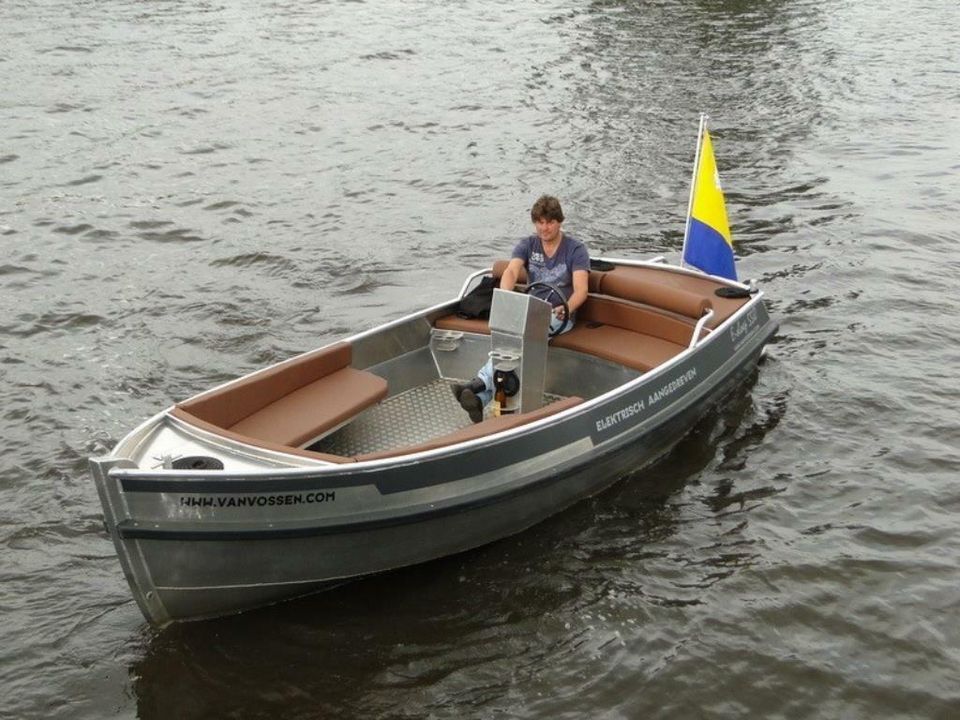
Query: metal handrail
point(704, 319)
point(470, 278)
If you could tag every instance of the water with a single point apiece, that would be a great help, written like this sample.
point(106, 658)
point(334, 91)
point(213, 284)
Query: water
point(191, 190)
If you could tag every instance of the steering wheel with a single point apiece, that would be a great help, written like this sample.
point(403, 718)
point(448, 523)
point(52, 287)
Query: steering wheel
point(563, 302)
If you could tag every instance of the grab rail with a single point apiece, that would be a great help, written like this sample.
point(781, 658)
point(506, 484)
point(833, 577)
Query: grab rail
point(704, 319)
point(471, 278)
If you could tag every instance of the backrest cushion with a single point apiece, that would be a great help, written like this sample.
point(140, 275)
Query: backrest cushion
point(228, 405)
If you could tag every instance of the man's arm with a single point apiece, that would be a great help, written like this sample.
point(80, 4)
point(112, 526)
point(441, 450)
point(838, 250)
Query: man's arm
point(580, 288)
point(509, 278)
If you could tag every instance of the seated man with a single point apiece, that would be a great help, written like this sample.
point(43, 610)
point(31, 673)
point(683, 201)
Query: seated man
point(550, 256)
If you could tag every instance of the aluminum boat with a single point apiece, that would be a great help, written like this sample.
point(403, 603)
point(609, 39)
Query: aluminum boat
point(355, 458)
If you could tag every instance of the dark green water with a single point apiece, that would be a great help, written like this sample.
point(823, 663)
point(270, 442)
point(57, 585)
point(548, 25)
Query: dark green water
point(190, 190)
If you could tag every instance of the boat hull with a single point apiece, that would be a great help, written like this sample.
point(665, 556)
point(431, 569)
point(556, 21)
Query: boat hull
point(194, 544)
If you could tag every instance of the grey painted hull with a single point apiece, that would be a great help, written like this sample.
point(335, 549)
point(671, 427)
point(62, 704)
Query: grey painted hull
point(192, 545)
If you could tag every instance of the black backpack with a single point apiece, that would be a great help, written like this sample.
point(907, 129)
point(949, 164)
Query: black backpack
point(476, 303)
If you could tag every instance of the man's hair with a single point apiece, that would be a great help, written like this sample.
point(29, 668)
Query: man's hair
point(546, 208)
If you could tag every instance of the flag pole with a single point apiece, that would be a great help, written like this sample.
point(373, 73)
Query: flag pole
point(693, 185)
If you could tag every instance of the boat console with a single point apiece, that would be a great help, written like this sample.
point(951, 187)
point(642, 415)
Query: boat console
point(518, 349)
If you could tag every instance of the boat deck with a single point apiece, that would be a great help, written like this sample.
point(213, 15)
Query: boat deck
point(408, 418)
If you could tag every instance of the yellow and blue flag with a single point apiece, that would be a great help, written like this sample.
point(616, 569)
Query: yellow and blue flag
point(707, 244)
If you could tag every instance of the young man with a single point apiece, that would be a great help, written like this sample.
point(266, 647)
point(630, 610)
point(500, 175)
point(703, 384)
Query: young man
point(550, 256)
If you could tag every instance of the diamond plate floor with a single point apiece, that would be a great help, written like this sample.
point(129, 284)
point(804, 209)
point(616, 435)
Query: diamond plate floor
point(408, 418)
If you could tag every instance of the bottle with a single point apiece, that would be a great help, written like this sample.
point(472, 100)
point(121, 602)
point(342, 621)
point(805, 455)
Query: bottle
point(499, 400)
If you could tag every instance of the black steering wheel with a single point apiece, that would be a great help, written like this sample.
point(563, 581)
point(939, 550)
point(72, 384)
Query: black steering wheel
point(563, 302)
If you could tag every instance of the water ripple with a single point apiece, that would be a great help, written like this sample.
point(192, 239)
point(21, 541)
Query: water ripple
point(193, 189)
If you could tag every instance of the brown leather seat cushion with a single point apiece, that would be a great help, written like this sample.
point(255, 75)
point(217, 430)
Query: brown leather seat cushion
point(625, 333)
point(639, 318)
point(645, 289)
point(228, 405)
point(316, 408)
point(194, 421)
point(459, 324)
point(291, 403)
point(625, 347)
point(629, 282)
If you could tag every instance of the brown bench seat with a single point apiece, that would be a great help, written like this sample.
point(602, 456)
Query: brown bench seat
point(459, 324)
point(625, 347)
point(620, 331)
point(290, 404)
point(302, 416)
point(686, 295)
point(639, 317)
point(627, 333)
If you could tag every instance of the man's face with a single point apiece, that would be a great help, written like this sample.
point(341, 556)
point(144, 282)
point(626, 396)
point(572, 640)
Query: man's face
point(547, 230)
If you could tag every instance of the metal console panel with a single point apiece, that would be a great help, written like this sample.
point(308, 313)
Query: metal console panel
point(518, 342)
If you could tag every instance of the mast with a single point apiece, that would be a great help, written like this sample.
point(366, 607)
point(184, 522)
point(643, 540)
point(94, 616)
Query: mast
point(693, 185)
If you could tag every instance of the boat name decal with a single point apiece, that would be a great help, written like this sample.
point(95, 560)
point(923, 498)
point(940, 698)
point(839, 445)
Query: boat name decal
point(672, 386)
point(744, 328)
point(635, 408)
point(622, 414)
point(258, 500)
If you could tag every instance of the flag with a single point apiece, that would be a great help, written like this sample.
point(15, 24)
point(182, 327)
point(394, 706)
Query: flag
point(707, 244)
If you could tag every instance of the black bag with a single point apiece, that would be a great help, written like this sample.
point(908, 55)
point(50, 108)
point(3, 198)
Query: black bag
point(476, 303)
point(601, 265)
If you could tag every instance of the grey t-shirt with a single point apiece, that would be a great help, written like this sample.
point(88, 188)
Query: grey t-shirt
point(571, 256)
